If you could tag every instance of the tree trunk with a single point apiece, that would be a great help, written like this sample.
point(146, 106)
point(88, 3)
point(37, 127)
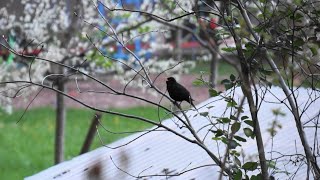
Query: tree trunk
point(60, 121)
point(178, 50)
point(91, 133)
point(213, 70)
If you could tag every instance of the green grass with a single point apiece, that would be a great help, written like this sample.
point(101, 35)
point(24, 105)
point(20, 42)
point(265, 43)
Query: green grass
point(224, 69)
point(27, 147)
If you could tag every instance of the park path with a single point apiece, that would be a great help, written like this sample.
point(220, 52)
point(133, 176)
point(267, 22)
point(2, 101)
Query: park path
point(105, 100)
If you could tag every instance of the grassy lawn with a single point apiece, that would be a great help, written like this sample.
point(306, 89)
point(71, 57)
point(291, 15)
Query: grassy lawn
point(224, 69)
point(27, 147)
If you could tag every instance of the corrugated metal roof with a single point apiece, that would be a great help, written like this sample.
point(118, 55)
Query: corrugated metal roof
point(159, 152)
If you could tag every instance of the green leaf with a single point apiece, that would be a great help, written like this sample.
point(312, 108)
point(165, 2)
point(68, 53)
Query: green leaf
point(248, 132)
point(228, 86)
point(240, 139)
point(278, 112)
point(244, 117)
point(203, 72)
point(225, 81)
point(198, 82)
point(218, 132)
point(238, 175)
point(229, 18)
point(224, 140)
point(237, 161)
point(235, 153)
point(266, 72)
point(235, 127)
point(231, 104)
point(232, 77)
point(298, 42)
point(213, 93)
point(216, 138)
point(258, 29)
point(250, 45)
point(209, 107)
point(232, 117)
point(256, 177)
point(314, 51)
point(126, 15)
point(240, 109)
point(224, 120)
point(250, 166)
point(249, 122)
point(142, 29)
point(204, 114)
point(297, 16)
point(271, 164)
point(229, 49)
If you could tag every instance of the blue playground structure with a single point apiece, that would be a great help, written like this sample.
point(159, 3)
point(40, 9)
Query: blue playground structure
point(137, 45)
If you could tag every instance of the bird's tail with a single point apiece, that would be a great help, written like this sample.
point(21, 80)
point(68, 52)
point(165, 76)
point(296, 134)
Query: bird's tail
point(191, 102)
point(193, 105)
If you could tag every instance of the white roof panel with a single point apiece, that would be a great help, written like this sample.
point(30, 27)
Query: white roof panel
point(158, 152)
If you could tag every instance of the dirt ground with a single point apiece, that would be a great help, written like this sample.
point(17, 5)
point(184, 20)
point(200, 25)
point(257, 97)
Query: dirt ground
point(106, 100)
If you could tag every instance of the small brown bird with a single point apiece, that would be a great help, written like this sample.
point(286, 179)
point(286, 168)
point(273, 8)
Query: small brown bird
point(177, 92)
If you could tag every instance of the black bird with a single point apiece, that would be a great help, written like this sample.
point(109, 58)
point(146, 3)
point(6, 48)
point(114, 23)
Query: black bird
point(177, 92)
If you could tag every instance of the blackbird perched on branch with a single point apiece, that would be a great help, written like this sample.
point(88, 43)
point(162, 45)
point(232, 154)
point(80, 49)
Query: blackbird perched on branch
point(177, 92)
